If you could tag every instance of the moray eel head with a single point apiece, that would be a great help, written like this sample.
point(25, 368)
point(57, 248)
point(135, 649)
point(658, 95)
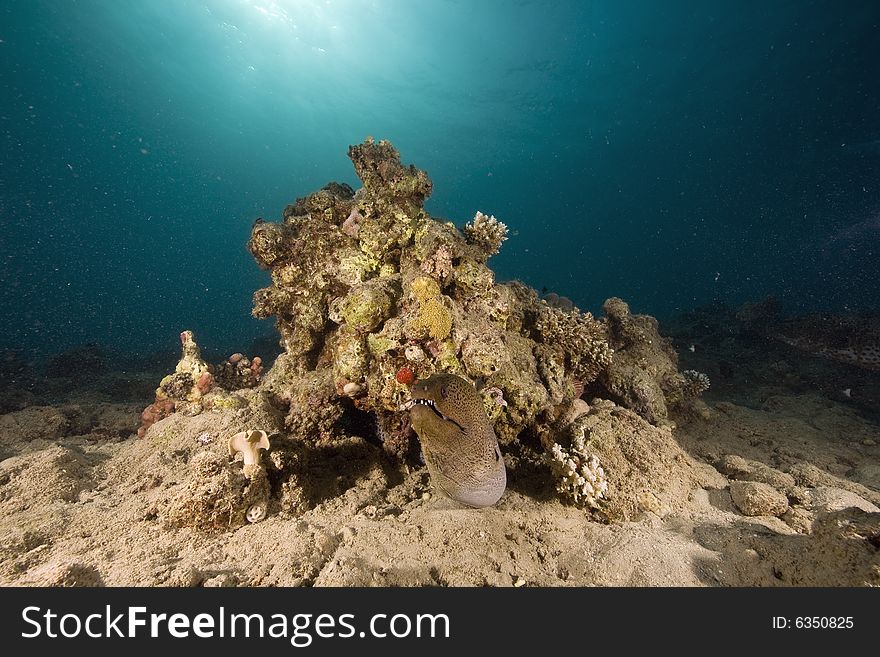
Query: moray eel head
point(450, 397)
point(459, 444)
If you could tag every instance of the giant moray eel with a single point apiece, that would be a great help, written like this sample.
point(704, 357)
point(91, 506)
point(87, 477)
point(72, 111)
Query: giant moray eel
point(459, 444)
point(850, 339)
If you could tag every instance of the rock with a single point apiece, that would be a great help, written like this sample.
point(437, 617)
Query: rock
point(799, 519)
point(808, 476)
point(66, 574)
point(840, 551)
point(827, 499)
point(867, 474)
point(736, 467)
point(754, 498)
point(33, 423)
point(223, 580)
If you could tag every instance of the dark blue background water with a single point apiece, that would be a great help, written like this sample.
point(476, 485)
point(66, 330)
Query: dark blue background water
point(671, 153)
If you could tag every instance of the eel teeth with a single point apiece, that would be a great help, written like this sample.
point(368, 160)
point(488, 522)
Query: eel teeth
point(430, 403)
point(412, 402)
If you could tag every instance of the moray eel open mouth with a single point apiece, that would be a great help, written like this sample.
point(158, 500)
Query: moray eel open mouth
point(430, 404)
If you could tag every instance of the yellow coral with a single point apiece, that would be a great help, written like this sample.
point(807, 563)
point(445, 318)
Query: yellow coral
point(424, 288)
point(434, 318)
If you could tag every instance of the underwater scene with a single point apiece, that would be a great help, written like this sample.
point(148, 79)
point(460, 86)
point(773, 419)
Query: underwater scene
point(439, 293)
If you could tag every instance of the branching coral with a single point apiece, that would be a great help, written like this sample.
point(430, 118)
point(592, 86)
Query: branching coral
point(582, 339)
point(487, 233)
point(578, 474)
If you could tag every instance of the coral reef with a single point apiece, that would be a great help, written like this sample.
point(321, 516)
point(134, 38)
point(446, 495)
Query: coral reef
point(195, 386)
point(372, 297)
point(405, 289)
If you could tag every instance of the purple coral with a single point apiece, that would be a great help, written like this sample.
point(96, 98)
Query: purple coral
point(352, 225)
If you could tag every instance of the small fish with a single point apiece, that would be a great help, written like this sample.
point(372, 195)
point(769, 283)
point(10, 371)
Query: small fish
point(692, 348)
point(847, 392)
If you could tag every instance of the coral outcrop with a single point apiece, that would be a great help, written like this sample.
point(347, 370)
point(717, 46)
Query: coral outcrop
point(371, 295)
point(643, 375)
point(616, 465)
point(354, 306)
point(191, 380)
point(195, 386)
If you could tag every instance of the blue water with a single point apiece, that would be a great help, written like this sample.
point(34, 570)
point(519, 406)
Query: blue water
point(671, 153)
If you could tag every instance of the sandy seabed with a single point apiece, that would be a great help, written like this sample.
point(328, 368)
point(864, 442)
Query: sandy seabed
point(776, 485)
